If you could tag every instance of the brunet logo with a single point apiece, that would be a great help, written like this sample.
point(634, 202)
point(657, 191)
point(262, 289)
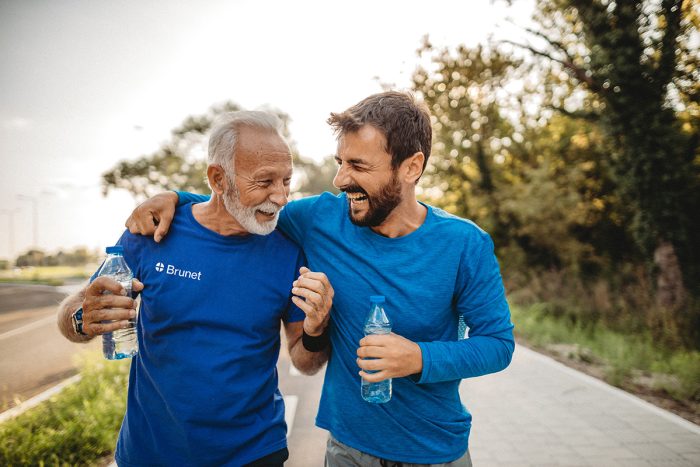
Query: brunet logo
point(173, 271)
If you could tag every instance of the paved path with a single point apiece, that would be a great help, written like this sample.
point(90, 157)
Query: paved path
point(540, 412)
point(536, 413)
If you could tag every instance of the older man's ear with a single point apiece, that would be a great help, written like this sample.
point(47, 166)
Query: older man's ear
point(217, 178)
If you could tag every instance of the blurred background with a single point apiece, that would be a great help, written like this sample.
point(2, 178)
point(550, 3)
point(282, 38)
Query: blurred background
point(569, 130)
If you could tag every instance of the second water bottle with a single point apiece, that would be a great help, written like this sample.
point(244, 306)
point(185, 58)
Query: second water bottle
point(377, 323)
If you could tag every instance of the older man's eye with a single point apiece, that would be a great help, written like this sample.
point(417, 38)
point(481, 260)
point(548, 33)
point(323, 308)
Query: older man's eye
point(263, 183)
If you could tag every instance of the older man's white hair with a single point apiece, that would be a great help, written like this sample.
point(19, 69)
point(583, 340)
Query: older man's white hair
point(222, 142)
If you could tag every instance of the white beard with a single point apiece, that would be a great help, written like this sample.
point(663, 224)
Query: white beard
point(245, 215)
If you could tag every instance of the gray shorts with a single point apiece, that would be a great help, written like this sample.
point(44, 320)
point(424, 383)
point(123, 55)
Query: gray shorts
point(342, 455)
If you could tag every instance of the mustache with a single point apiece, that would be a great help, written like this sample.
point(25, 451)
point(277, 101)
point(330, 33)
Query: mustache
point(268, 206)
point(353, 189)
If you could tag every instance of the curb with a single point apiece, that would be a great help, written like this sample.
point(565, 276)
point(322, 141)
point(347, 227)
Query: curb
point(38, 399)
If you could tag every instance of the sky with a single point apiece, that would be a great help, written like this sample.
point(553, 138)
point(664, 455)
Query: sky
point(85, 84)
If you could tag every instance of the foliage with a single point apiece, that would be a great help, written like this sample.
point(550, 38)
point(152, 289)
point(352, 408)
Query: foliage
point(314, 178)
point(77, 426)
point(637, 60)
point(579, 157)
point(181, 162)
point(76, 257)
point(537, 182)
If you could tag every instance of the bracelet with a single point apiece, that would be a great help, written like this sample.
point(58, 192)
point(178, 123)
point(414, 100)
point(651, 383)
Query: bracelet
point(315, 343)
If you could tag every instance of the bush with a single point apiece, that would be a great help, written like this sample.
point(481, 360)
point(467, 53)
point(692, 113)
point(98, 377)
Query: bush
point(77, 426)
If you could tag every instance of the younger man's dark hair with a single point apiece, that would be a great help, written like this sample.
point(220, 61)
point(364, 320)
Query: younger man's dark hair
point(404, 122)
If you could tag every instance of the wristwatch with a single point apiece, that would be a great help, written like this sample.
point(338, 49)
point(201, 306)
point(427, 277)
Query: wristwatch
point(77, 320)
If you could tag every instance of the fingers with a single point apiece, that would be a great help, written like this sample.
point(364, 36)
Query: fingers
point(315, 289)
point(316, 281)
point(107, 319)
point(136, 285)
point(373, 364)
point(153, 216)
point(104, 284)
point(381, 340)
point(110, 314)
point(310, 296)
point(371, 351)
point(94, 329)
point(308, 308)
point(391, 353)
point(97, 302)
point(166, 218)
point(141, 221)
point(105, 309)
point(374, 377)
point(130, 222)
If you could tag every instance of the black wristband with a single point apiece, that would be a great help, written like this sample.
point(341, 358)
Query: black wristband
point(315, 343)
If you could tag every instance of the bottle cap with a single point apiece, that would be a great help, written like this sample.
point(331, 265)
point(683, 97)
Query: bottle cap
point(376, 298)
point(115, 249)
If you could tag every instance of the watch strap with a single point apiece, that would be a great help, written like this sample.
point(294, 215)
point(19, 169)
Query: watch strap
point(77, 319)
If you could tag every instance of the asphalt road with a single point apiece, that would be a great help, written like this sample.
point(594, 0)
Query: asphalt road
point(34, 354)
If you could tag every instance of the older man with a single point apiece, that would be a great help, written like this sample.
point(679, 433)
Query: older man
point(434, 268)
point(203, 387)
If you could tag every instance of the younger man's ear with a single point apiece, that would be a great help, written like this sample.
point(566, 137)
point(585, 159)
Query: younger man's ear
point(413, 167)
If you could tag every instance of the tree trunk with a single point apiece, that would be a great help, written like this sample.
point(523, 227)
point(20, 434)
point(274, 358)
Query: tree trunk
point(670, 291)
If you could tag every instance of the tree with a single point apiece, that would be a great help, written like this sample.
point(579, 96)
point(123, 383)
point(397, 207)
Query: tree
point(30, 258)
point(637, 61)
point(536, 181)
point(181, 162)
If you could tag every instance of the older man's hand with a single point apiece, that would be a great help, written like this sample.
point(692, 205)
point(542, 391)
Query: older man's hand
point(313, 294)
point(104, 313)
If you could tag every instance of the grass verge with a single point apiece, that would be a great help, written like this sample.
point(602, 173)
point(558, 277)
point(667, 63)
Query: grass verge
point(49, 275)
point(77, 426)
point(632, 362)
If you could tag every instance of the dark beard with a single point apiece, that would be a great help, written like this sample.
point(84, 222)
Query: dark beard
point(380, 206)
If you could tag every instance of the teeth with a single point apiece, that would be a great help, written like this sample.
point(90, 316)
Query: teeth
point(356, 196)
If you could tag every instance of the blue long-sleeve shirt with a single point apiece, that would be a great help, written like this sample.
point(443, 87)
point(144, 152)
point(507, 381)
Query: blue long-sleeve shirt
point(443, 270)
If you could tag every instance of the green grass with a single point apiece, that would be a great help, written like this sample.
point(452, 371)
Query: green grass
point(628, 359)
point(77, 426)
point(49, 275)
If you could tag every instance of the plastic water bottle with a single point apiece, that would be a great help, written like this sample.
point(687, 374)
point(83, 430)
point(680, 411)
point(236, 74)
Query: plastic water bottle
point(121, 343)
point(377, 323)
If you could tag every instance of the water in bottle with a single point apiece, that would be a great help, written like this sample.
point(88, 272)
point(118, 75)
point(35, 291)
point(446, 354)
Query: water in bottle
point(121, 343)
point(377, 323)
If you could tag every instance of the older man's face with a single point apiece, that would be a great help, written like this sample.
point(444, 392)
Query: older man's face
point(260, 186)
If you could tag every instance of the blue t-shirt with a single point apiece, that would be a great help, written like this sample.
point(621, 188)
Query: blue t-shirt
point(443, 270)
point(203, 387)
